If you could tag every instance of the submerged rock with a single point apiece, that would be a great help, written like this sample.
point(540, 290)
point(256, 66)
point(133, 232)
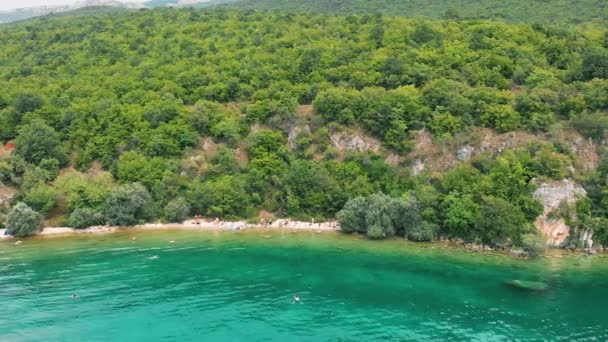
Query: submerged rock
point(528, 285)
point(520, 253)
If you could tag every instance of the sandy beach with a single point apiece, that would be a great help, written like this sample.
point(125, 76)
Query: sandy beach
point(190, 225)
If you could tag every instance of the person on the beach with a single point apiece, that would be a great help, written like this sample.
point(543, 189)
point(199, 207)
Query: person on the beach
point(296, 299)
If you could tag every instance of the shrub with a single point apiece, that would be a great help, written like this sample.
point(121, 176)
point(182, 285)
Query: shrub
point(22, 220)
point(84, 218)
point(425, 231)
point(352, 216)
point(592, 126)
point(380, 216)
point(41, 198)
point(127, 205)
point(534, 244)
point(376, 231)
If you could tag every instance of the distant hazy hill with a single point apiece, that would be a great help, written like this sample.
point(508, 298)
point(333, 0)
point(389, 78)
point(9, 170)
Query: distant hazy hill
point(159, 3)
point(186, 3)
point(511, 10)
point(538, 11)
point(94, 6)
point(30, 12)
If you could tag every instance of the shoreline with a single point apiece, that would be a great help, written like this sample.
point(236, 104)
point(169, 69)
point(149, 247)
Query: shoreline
point(281, 224)
point(187, 225)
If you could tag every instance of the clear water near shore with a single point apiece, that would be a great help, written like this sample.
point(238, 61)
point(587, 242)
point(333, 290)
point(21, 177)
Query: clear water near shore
point(232, 286)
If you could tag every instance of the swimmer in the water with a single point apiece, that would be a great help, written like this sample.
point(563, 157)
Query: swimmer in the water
point(74, 296)
point(153, 257)
point(296, 299)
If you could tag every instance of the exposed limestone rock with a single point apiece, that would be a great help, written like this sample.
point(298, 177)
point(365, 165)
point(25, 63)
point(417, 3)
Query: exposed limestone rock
point(6, 194)
point(465, 153)
point(551, 195)
point(354, 142)
point(208, 145)
point(293, 134)
point(255, 128)
point(586, 153)
point(418, 167)
point(586, 239)
point(393, 159)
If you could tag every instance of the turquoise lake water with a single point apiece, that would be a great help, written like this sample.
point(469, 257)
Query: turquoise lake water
point(221, 286)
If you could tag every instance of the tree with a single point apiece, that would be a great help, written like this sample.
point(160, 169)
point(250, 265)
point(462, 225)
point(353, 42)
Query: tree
point(27, 102)
point(509, 178)
point(451, 14)
point(316, 190)
point(406, 215)
point(22, 220)
point(424, 33)
point(224, 196)
point(38, 141)
point(177, 210)
point(596, 94)
point(500, 221)
point(595, 63)
point(127, 205)
point(450, 96)
point(460, 212)
point(334, 104)
point(34, 177)
point(135, 167)
point(9, 120)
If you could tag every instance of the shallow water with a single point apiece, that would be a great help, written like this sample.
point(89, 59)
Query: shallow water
point(221, 286)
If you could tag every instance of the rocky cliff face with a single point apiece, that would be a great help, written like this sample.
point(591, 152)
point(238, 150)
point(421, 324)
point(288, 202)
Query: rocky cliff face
point(552, 195)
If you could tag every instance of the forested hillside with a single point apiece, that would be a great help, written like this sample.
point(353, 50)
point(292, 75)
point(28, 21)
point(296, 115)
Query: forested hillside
point(161, 114)
point(532, 11)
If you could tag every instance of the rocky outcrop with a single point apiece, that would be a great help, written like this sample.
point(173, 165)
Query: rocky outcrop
point(6, 194)
point(351, 141)
point(586, 152)
point(465, 153)
point(393, 159)
point(552, 195)
point(418, 167)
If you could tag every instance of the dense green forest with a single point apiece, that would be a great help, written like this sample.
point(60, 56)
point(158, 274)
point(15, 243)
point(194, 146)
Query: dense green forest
point(532, 11)
point(163, 114)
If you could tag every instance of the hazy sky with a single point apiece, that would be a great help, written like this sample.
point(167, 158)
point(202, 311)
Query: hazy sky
point(10, 4)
